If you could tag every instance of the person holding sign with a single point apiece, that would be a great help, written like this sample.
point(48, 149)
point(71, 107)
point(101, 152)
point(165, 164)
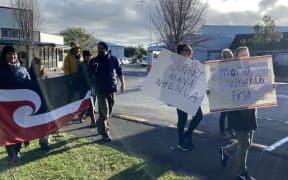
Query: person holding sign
point(227, 54)
point(243, 122)
point(185, 138)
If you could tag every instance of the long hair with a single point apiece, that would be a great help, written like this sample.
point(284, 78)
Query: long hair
point(37, 67)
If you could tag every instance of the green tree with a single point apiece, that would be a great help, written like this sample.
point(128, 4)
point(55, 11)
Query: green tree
point(130, 51)
point(266, 36)
point(80, 36)
point(137, 52)
point(140, 52)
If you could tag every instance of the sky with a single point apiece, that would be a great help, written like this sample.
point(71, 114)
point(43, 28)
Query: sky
point(126, 22)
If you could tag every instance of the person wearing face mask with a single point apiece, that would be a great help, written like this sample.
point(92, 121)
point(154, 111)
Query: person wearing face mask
point(185, 138)
point(11, 71)
point(105, 68)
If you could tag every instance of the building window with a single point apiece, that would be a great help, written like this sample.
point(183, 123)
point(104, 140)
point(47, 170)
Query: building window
point(5, 34)
point(14, 34)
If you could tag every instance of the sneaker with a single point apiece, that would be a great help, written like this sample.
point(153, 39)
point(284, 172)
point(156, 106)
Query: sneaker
point(185, 147)
point(45, 148)
point(224, 136)
point(223, 156)
point(231, 133)
point(244, 176)
point(106, 139)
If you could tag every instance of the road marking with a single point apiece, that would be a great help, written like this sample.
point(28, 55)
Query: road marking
point(195, 131)
point(137, 119)
point(277, 144)
point(131, 118)
point(282, 96)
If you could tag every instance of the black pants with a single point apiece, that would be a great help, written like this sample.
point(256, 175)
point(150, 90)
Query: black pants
point(13, 150)
point(182, 119)
point(222, 118)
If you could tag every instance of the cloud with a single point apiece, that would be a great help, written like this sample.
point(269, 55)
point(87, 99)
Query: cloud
point(112, 20)
point(127, 22)
point(265, 4)
point(233, 18)
point(277, 14)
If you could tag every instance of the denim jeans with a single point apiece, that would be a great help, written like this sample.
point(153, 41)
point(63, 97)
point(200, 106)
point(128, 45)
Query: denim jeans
point(182, 119)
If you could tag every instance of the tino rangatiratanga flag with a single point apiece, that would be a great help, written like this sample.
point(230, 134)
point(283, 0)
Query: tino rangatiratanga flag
point(38, 108)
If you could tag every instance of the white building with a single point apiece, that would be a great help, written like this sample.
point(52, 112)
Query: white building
point(116, 50)
point(49, 47)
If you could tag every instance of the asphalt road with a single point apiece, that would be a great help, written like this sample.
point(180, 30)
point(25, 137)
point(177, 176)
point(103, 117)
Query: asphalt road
point(273, 121)
point(148, 127)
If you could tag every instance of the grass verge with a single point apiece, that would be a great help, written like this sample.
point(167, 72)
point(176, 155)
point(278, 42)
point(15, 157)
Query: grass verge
point(77, 158)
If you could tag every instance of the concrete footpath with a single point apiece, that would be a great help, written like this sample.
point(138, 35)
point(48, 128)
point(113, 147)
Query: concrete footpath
point(157, 144)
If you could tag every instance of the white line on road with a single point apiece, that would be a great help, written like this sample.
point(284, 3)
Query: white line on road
point(282, 96)
point(277, 144)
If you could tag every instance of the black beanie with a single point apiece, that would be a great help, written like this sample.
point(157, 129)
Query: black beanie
point(104, 45)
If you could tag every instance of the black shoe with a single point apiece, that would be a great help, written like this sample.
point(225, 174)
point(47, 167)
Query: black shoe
point(223, 156)
point(27, 143)
point(106, 138)
point(244, 176)
point(45, 148)
point(185, 147)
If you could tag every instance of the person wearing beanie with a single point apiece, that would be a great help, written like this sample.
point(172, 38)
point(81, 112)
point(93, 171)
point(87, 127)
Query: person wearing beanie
point(11, 71)
point(105, 69)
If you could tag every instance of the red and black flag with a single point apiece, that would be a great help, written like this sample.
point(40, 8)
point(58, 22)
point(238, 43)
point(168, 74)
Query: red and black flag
point(38, 108)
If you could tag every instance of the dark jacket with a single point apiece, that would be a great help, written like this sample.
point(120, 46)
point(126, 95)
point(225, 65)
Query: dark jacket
point(243, 120)
point(105, 71)
point(13, 73)
point(83, 67)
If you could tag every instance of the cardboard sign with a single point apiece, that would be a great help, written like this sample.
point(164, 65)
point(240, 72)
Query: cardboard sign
point(240, 84)
point(177, 80)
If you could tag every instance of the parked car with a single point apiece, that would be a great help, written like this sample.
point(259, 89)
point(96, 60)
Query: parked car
point(124, 61)
point(134, 61)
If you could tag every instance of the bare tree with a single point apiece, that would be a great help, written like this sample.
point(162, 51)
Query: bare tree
point(27, 14)
point(180, 21)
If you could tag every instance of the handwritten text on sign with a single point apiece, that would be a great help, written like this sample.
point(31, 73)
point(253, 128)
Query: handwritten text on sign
point(239, 84)
point(176, 80)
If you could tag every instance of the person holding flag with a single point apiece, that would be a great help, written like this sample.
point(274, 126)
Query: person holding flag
point(11, 71)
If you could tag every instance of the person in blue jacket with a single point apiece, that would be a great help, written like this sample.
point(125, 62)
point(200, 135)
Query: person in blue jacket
point(105, 69)
point(11, 71)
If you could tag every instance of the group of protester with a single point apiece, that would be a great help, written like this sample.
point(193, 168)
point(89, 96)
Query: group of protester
point(240, 123)
point(101, 73)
